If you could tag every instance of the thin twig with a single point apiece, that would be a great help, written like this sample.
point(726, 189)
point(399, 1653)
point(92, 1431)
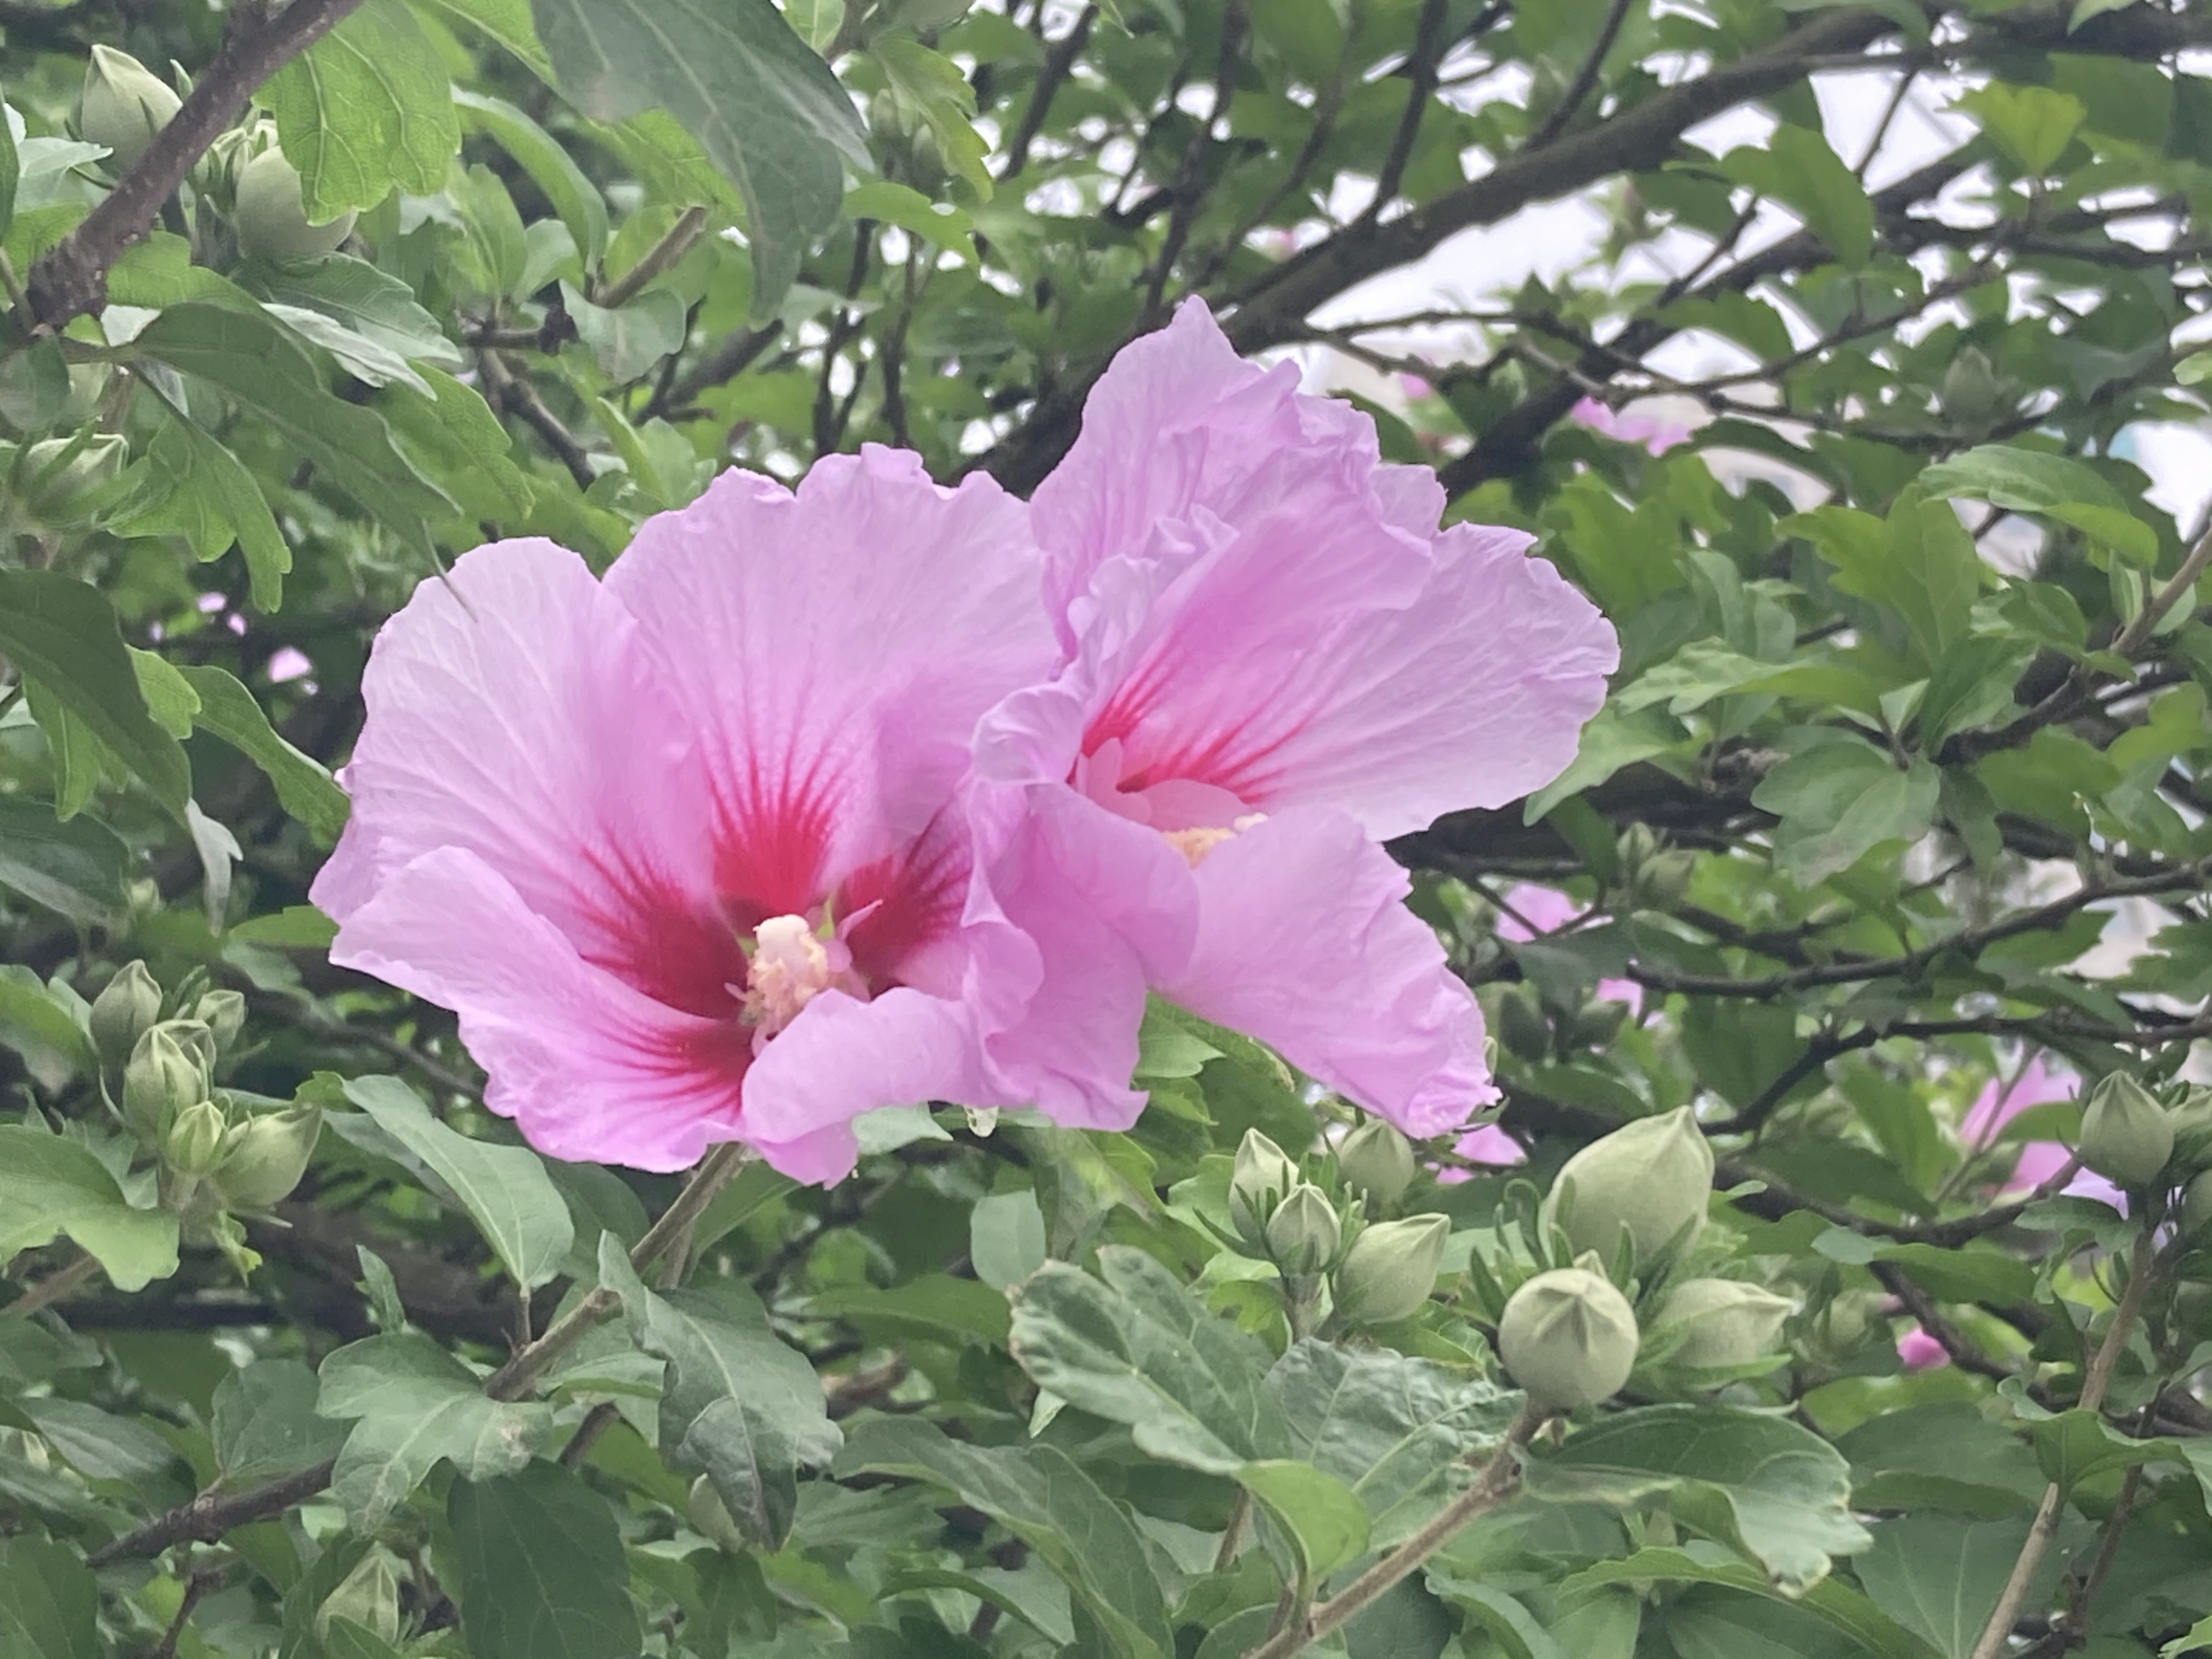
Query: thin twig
point(1585, 78)
point(55, 1285)
point(658, 259)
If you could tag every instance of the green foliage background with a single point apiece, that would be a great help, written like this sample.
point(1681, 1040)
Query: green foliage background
point(1867, 796)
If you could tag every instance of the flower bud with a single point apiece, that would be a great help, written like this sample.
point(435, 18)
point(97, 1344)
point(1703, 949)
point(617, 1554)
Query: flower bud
point(710, 1516)
point(265, 1156)
point(1568, 1339)
point(272, 221)
point(167, 1072)
point(1390, 1269)
point(1521, 1026)
point(223, 1012)
point(194, 1145)
point(1377, 1161)
point(123, 105)
point(1304, 1232)
point(122, 1013)
point(368, 1595)
point(1723, 1322)
point(2197, 1205)
point(1662, 879)
point(1263, 1177)
point(2126, 1135)
point(1638, 843)
point(1649, 1179)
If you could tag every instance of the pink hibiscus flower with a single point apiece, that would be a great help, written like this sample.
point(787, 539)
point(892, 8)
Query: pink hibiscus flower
point(688, 849)
point(1920, 1352)
point(1272, 661)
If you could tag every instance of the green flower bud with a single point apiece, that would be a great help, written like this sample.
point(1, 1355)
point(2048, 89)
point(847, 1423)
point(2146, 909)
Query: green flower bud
point(1636, 844)
point(122, 1013)
point(2126, 1135)
point(1263, 1177)
point(1303, 1233)
point(265, 1156)
point(1568, 1339)
point(2196, 1203)
point(1390, 1269)
point(223, 1012)
point(194, 1145)
point(1377, 1161)
point(167, 1071)
point(1723, 1322)
point(272, 222)
point(1649, 1179)
point(123, 105)
point(1662, 879)
point(368, 1595)
point(1521, 1026)
point(710, 1516)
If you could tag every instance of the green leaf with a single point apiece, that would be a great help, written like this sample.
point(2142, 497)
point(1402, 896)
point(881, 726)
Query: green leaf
point(550, 167)
point(632, 339)
point(1839, 800)
point(541, 1570)
point(458, 441)
point(2033, 124)
point(1771, 1487)
point(76, 869)
point(738, 1406)
point(192, 486)
point(1139, 1349)
point(1944, 1456)
point(373, 305)
point(1940, 1575)
point(101, 1445)
point(1797, 168)
point(505, 1189)
point(304, 786)
point(1845, 1610)
point(1006, 1237)
point(893, 203)
point(2056, 486)
point(1398, 1431)
point(1919, 564)
point(10, 170)
point(1611, 741)
point(36, 1021)
point(735, 75)
point(55, 1185)
point(1044, 1498)
point(63, 634)
point(412, 1405)
point(49, 1599)
point(74, 754)
point(256, 361)
point(366, 107)
point(1323, 1518)
point(265, 1424)
point(930, 87)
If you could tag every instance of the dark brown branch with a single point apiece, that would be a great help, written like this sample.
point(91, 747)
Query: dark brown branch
point(1059, 58)
point(71, 279)
point(1421, 66)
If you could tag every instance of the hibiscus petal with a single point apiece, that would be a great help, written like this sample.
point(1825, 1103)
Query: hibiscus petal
point(1110, 906)
point(1305, 943)
point(509, 713)
point(588, 1067)
point(833, 650)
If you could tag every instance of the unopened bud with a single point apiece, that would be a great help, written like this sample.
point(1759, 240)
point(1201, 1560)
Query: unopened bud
point(1390, 1269)
point(265, 1156)
point(1649, 1180)
point(1568, 1339)
point(1521, 1026)
point(710, 1516)
point(1263, 1177)
point(194, 1145)
point(1377, 1161)
point(1638, 843)
point(123, 1013)
point(2126, 1135)
point(1662, 879)
point(368, 1595)
point(167, 1071)
point(223, 1012)
point(1723, 1322)
point(2197, 1205)
point(272, 220)
point(1304, 1232)
point(123, 105)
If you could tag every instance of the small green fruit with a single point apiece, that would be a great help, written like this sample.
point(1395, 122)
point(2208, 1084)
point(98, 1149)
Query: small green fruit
point(123, 105)
point(1390, 1270)
point(2127, 1136)
point(1568, 1339)
point(272, 222)
point(1723, 1322)
point(1649, 1180)
point(1303, 1232)
point(1377, 1161)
